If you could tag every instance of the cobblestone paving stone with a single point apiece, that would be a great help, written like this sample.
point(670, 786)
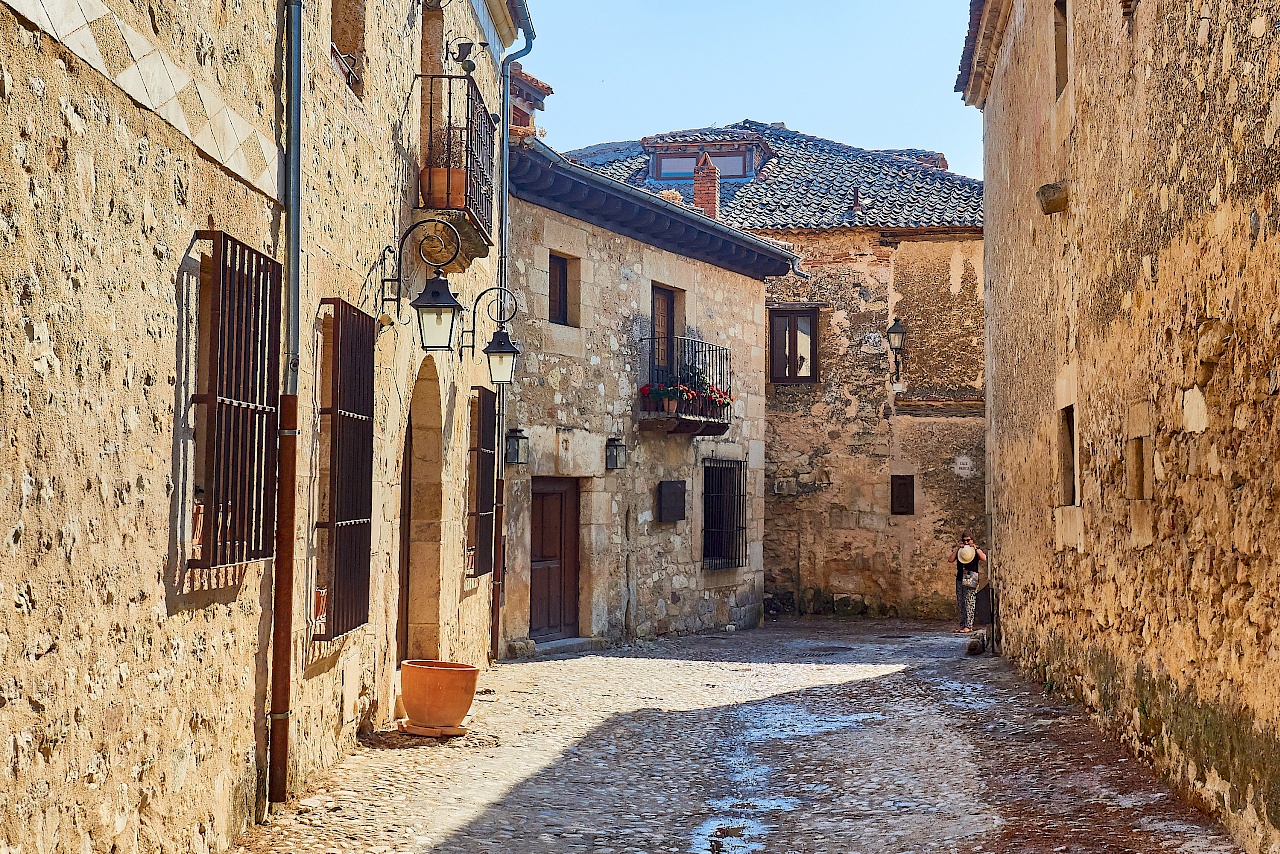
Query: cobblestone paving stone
point(841, 738)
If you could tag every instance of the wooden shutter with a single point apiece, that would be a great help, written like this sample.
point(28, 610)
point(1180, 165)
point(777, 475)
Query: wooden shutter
point(241, 414)
point(664, 309)
point(902, 495)
point(350, 469)
point(482, 487)
point(558, 292)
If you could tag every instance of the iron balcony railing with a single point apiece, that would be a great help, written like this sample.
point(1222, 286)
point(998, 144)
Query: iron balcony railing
point(458, 159)
point(688, 377)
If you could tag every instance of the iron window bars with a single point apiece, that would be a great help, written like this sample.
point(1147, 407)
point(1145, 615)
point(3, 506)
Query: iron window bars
point(458, 137)
point(350, 517)
point(481, 489)
point(240, 395)
point(696, 374)
point(724, 514)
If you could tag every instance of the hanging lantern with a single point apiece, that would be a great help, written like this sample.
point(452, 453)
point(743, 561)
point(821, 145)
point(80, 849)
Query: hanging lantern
point(438, 311)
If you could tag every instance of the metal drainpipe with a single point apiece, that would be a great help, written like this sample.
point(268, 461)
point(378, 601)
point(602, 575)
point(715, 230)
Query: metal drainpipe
point(504, 232)
point(287, 482)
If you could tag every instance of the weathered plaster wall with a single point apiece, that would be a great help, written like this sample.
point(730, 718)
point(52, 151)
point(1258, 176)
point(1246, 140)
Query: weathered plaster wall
point(1149, 306)
point(132, 691)
point(579, 386)
point(831, 543)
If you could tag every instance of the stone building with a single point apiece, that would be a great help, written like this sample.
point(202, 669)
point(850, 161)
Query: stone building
point(1133, 370)
point(873, 467)
point(144, 216)
point(633, 517)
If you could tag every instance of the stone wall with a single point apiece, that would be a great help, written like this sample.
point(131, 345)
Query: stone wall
point(579, 385)
point(831, 541)
point(1147, 307)
point(133, 691)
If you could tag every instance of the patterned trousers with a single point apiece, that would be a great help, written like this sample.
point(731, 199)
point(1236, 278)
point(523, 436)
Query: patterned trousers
point(966, 604)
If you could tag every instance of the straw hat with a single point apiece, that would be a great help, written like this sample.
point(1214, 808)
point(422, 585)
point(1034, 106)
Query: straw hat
point(967, 554)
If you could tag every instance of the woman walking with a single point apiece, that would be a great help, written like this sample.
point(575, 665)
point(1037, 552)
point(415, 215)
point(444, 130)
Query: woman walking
point(967, 557)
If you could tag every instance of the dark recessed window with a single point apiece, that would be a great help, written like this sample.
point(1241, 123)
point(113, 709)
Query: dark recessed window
point(558, 294)
point(793, 345)
point(1060, 26)
point(902, 494)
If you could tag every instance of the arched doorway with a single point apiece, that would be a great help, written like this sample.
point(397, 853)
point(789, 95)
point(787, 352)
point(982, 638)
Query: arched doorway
point(421, 511)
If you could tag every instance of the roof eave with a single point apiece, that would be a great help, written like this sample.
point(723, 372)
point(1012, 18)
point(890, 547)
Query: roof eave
point(763, 258)
point(987, 22)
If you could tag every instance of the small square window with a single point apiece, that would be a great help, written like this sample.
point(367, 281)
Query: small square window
point(902, 494)
point(793, 345)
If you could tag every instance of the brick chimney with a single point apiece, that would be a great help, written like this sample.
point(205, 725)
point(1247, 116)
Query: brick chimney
point(706, 186)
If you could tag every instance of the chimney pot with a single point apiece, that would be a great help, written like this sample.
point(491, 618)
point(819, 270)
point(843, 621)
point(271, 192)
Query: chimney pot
point(706, 186)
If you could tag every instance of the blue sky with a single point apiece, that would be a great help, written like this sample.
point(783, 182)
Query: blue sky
point(872, 74)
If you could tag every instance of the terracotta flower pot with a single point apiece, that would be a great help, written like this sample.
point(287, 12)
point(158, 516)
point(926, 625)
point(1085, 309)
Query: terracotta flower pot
point(444, 189)
point(669, 404)
point(437, 693)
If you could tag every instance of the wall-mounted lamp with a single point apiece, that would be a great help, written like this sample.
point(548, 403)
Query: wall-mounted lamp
point(437, 310)
point(897, 335)
point(460, 49)
point(615, 454)
point(517, 451)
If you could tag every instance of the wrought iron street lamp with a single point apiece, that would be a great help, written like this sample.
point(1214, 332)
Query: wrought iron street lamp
point(438, 311)
point(501, 354)
point(897, 335)
point(517, 451)
point(615, 454)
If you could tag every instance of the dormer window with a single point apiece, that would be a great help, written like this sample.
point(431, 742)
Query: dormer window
point(679, 167)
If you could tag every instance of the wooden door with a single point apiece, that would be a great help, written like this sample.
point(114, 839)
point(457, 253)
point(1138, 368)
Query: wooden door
point(553, 581)
point(664, 314)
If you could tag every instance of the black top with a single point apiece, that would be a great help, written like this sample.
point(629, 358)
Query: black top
point(962, 567)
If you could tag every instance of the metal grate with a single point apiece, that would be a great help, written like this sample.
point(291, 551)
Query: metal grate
point(481, 499)
point(697, 373)
point(458, 134)
point(724, 514)
point(350, 416)
point(241, 414)
point(902, 495)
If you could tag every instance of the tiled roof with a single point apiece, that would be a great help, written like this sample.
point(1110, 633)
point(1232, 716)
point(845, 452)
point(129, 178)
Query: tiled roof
point(976, 8)
point(809, 182)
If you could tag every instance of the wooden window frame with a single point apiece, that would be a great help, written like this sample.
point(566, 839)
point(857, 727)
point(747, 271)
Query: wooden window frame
point(558, 289)
point(793, 366)
point(239, 392)
point(349, 521)
point(664, 346)
point(482, 490)
point(902, 495)
point(660, 174)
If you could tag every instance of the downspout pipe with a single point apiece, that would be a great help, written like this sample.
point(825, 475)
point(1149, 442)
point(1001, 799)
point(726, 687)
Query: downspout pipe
point(287, 479)
point(504, 255)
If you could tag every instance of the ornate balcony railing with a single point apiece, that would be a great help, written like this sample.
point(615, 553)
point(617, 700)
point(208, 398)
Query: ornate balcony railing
point(458, 133)
point(688, 379)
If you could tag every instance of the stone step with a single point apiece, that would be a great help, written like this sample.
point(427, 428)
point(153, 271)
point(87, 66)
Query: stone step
point(568, 646)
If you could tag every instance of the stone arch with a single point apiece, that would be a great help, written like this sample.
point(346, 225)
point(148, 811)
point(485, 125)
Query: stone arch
point(422, 512)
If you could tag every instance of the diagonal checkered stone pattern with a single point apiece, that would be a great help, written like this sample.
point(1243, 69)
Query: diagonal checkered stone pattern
point(130, 60)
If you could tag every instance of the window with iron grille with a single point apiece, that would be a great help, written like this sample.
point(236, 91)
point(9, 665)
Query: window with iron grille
point(238, 393)
point(481, 486)
point(902, 495)
point(793, 345)
point(724, 514)
point(347, 414)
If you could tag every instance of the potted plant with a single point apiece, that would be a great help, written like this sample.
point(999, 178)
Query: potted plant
point(444, 180)
point(670, 397)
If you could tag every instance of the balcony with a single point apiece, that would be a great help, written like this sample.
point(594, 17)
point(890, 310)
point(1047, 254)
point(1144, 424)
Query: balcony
point(457, 178)
point(689, 388)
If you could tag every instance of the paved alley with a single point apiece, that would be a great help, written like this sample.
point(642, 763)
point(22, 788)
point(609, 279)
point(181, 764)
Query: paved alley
point(800, 737)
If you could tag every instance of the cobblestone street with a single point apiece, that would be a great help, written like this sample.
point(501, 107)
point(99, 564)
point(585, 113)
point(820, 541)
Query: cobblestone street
point(801, 737)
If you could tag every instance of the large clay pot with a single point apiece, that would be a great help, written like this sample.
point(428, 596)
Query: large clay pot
point(444, 189)
point(437, 693)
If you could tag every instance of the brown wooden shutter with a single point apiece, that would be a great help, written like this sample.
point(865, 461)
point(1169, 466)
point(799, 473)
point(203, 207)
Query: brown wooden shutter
point(902, 495)
point(241, 415)
point(558, 293)
point(350, 469)
point(482, 488)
